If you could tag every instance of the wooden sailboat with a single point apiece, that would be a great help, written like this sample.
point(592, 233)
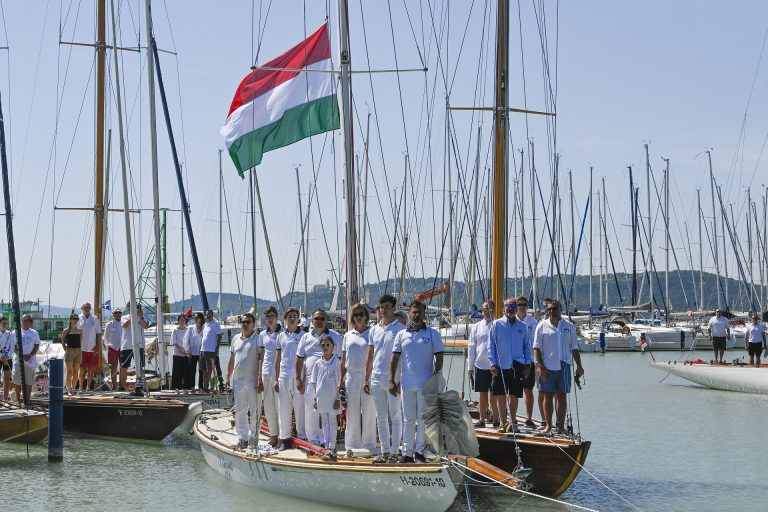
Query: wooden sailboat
point(19, 425)
point(727, 377)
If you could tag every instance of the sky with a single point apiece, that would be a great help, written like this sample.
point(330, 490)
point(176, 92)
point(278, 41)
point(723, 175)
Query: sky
point(683, 77)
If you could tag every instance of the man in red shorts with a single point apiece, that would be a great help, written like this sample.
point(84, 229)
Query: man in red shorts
point(91, 345)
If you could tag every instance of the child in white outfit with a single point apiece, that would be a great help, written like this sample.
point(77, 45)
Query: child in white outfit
point(326, 376)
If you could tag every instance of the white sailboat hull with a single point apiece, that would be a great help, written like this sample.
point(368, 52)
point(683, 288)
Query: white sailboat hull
point(744, 379)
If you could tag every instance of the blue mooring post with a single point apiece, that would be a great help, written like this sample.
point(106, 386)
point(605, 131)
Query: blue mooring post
point(55, 410)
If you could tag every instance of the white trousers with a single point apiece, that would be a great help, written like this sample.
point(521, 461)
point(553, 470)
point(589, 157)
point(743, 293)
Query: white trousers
point(270, 404)
point(246, 400)
point(361, 415)
point(311, 417)
point(413, 425)
point(291, 401)
point(330, 428)
point(389, 408)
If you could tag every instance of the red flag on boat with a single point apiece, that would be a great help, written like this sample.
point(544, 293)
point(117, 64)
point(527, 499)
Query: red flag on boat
point(188, 313)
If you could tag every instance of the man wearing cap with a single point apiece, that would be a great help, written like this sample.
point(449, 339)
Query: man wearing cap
point(113, 334)
point(719, 331)
point(510, 356)
point(30, 343)
point(754, 339)
point(91, 345)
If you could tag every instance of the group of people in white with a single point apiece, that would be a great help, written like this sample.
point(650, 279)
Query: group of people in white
point(303, 378)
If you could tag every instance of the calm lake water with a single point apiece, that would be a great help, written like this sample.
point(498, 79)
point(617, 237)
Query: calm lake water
point(660, 445)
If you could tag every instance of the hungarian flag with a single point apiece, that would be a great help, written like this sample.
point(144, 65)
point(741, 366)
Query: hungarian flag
point(288, 99)
point(643, 344)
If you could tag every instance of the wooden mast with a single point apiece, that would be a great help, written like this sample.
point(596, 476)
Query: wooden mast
point(98, 225)
point(500, 160)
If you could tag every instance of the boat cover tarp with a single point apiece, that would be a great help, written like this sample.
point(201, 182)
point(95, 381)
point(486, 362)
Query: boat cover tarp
point(446, 416)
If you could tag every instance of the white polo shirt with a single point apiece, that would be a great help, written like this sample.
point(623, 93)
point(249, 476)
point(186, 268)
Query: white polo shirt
point(754, 333)
point(113, 333)
point(288, 344)
point(268, 341)
point(718, 326)
point(417, 350)
point(309, 348)
point(555, 342)
point(29, 338)
point(193, 340)
point(91, 327)
point(477, 346)
point(126, 342)
point(177, 337)
point(531, 323)
point(210, 331)
point(355, 345)
point(382, 339)
point(326, 376)
point(245, 352)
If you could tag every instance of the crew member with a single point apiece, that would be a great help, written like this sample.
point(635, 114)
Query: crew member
point(243, 373)
point(290, 400)
point(268, 343)
point(479, 366)
point(719, 331)
point(754, 339)
point(90, 345)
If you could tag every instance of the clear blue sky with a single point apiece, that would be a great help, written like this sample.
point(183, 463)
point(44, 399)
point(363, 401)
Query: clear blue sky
point(676, 74)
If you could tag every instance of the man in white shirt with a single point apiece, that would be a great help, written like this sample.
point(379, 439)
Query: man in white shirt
point(113, 334)
point(754, 339)
point(305, 322)
point(209, 350)
point(555, 344)
point(290, 401)
point(268, 344)
point(30, 344)
point(719, 331)
point(381, 341)
point(530, 381)
point(479, 366)
point(126, 343)
point(421, 349)
point(90, 344)
point(243, 371)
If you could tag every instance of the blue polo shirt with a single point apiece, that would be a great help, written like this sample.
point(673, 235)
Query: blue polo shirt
point(508, 342)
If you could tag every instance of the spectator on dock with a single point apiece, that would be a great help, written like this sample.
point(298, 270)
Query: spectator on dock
point(719, 331)
point(243, 373)
point(420, 348)
point(181, 356)
point(530, 381)
point(510, 356)
point(126, 346)
point(72, 338)
point(389, 410)
point(305, 322)
point(30, 344)
point(193, 340)
point(7, 342)
point(268, 343)
point(555, 347)
point(209, 351)
point(290, 400)
point(754, 339)
point(324, 380)
point(113, 334)
point(91, 345)
point(479, 366)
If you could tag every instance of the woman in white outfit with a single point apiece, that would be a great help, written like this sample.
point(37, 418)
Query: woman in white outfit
point(361, 415)
point(266, 385)
point(289, 399)
point(243, 371)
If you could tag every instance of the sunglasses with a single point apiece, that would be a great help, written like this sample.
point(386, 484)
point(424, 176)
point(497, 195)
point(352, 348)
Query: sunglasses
point(358, 315)
point(270, 316)
point(325, 345)
point(319, 318)
point(522, 305)
point(510, 306)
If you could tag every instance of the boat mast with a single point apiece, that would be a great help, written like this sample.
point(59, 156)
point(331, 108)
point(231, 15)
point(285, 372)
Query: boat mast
point(500, 159)
point(221, 235)
point(604, 224)
point(714, 226)
point(650, 230)
point(591, 240)
point(349, 158)
point(473, 231)
point(701, 253)
point(366, 171)
point(666, 241)
point(99, 237)
point(303, 247)
point(634, 235)
point(126, 205)
point(599, 249)
point(725, 246)
point(159, 298)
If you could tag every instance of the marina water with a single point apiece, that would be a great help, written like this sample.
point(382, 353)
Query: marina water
point(662, 446)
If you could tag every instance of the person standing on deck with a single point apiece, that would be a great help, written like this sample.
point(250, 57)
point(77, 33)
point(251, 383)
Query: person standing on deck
point(126, 345)
point(7, 341)
point(479, 366)
point(30, 344)
point(530, 380)
point(555, 345)
point(243, 371)
point(308, 353)
point(72, 339)
point(209, 351)
point(421, 350)
point(510, 356)
point(388, 406)
point(305, 322)
point(290, 400)
point(181, 355)
point(113, 334)
point(719, 331)
point(361, 414)
point(754, 339)
point(91, 344)
point(266, 385)
point(193, 341)
point(325, 379)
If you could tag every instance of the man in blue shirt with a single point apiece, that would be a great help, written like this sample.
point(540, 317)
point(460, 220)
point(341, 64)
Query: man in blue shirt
point(510, 355)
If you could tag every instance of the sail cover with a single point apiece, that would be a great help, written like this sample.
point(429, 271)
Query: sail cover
point(447, 421)
point(287, 99)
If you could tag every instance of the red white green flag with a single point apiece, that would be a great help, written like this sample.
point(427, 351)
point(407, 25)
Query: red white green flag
point(273, 108)
point(643, 344)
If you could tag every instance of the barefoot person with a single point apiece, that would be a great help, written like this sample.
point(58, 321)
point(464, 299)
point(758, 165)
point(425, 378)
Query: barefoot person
point(71, 338)
point(479, 366)
point(754, 339)
point(555, 347)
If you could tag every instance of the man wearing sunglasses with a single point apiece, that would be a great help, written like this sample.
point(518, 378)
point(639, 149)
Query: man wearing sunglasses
point(243, 371)
point(510, 356)
point(530, 381)
point(555, 347)
point(479, 366)
point(308, 353)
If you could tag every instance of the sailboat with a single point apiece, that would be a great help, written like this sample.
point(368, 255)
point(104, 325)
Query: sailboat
point(735, 376)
